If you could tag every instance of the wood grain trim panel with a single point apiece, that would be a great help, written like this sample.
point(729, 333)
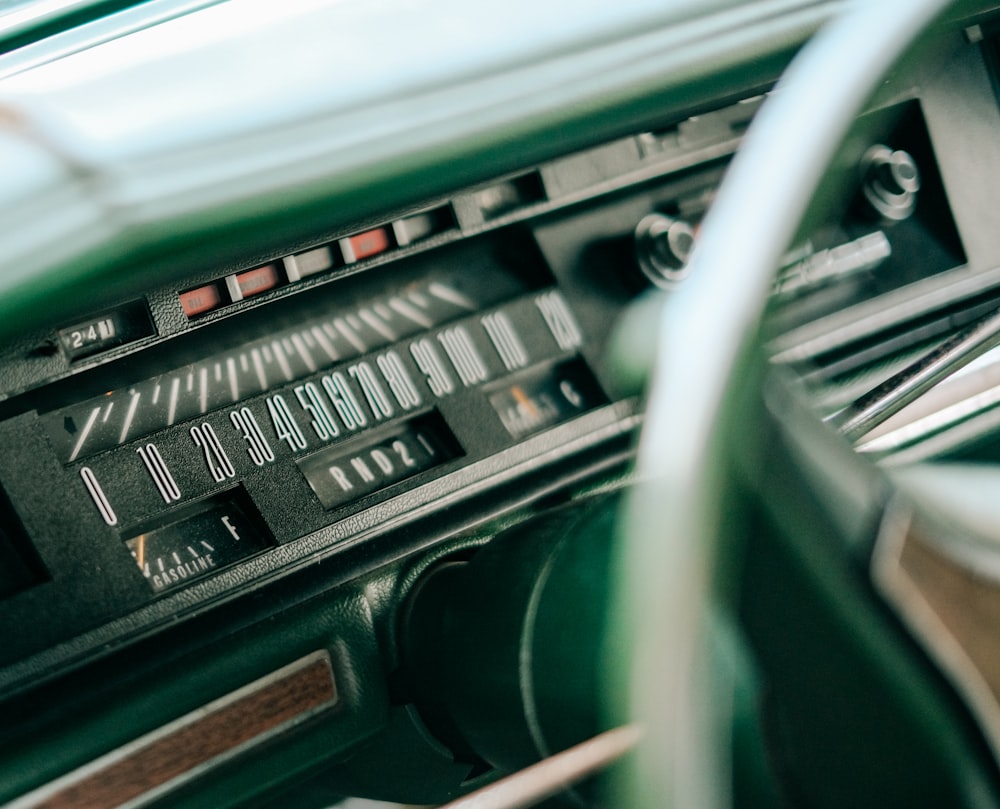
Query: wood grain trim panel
point(951, 608)
point(966, 604)
point(203, 738)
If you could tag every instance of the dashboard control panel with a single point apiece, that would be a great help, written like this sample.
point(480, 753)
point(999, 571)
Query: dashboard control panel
point(179, 449)
point(306, 408)
point(232, 440)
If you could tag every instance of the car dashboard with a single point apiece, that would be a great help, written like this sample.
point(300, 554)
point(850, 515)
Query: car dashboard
point(302, 307)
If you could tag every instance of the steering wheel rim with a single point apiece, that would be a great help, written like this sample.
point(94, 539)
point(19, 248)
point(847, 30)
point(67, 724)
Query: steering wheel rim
point(761, 204)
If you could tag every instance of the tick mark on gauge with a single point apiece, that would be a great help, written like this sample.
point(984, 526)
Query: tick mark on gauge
point(449, 295)
point(279, 355)
point(325, 344)
point(91, 419)
point(348, 334)
point(411, 313)
point(203, 389)
point(129, 416)
point(372, 320)
point(258, 366)
point(234, 386)
point(303, 352)
point(418, 299)
point(175, 389)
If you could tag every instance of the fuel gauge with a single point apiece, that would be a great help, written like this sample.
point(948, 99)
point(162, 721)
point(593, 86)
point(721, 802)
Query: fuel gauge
point(198, 540)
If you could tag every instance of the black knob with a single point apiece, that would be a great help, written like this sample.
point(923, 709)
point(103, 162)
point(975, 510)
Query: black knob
point(663, 245)
point(891, 182)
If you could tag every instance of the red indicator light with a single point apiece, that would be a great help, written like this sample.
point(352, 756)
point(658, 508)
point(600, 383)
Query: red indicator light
point(365, 245)
point(253, 282)
point(196, 302)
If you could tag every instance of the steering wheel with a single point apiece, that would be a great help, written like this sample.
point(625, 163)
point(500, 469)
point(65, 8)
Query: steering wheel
point(695, 448)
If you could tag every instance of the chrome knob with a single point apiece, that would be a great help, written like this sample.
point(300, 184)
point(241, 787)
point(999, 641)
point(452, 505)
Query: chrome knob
point(663, 245)
point(891, 182)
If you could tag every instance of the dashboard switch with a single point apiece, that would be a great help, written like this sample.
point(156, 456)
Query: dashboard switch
point(200, 300)
point(509, 196)
point(365, 245)
point(254, 282)
point(421, 226)
point(311, 262)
